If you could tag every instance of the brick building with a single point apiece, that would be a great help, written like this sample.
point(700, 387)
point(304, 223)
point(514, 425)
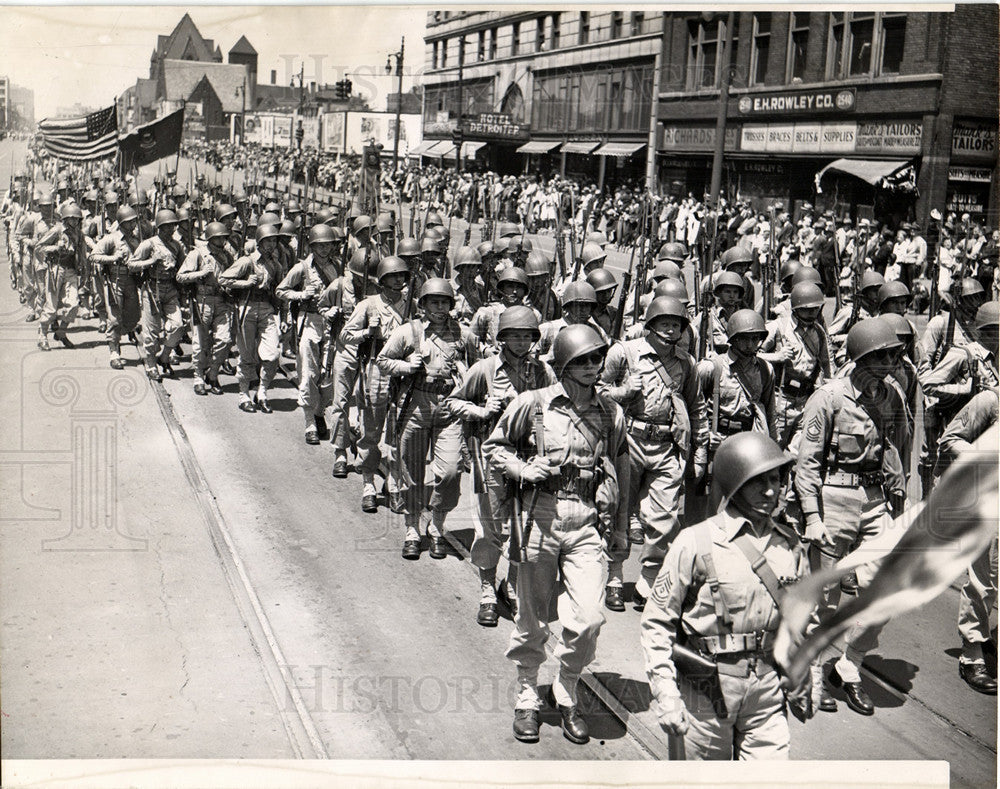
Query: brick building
point(555, 92)
point(893, 110)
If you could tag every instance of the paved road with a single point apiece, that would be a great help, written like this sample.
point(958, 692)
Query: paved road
point(169, 563)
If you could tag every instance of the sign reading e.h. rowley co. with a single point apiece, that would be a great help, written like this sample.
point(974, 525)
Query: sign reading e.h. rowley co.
point(813, 102)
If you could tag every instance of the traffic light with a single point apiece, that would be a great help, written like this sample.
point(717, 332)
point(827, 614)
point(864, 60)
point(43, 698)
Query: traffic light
point(343, 89)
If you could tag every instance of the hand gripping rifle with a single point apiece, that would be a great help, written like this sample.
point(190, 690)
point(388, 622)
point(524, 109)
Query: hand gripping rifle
point(934, 239)
point(706, 245)
point(520, 528)
point(768, 271)
point(640, 282)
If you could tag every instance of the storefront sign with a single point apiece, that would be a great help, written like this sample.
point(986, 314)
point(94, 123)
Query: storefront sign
point(966, 203)
point(838, 137)
point(806, 137)
point(894, 137)
point(788, 103)
point(976, 174)
point(974, 141)
point(495, 126)
point(695, 138)
point(754, 138)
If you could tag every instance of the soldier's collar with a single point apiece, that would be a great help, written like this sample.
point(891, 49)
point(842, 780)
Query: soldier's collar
point(733, 523)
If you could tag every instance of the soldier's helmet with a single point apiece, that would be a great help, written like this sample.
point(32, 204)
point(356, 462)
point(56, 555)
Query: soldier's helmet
point(573, 342)
point(871, 279)
point(971, 287)
point(666, 306)
point(222, 210)
point(592, 253)
point(486, 248)
point(602, 279)
point(892, 290)
point(746, 322)
point(806, 295)
point(433, 220)
point(742, 457)
point(269, 218)
point(321, 234)
point(987, 315)
point(507, 230)
point(165, 217)
point(579, 292)
point(806, 274)
point(467, 256)
point(437, 286)
point(267, 230)
point(515, 275)
point(673, 250)
point(360, 264)
point(900, 325)
point(217, 229)
point(596, 237)
point(538, 264)
point(869, 336)
point(674, 288)
point(727, 279)
point(408, 247)
point(738, 255)
point(788, 269)
point(518, 317)
point(287, 229)
point(70, 210)
point(126, 214)
point(391, 265)
point(667, 269)
point(361, 223)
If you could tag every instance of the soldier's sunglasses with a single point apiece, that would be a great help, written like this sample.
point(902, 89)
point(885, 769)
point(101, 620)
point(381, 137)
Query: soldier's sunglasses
point(595, 357)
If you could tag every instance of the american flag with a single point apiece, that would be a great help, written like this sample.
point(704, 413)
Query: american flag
point(93, 136)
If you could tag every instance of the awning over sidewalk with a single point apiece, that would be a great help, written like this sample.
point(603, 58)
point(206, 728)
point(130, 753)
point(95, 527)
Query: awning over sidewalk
point(538, 146)
point(440, 149)
point(869, 170)
point(579, 147)
point(421, 149)
point(469, 150)
point(619, 148)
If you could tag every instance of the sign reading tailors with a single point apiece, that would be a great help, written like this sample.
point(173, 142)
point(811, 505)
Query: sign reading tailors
point(494, 126)
point(974, 141)
point(798, 103)
point(892, 137)
point(897, 137)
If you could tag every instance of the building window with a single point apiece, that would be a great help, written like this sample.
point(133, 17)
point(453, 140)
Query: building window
point(595, 100)
point(481, 46)
point(515, 35)
point(444, 53)
point(584, 27)
point(493, 43)
point(616, 24)
point(798, 42)
point(865, 44)
point(636, 23)
point(761, 47)
point(555, 31)
point(434, 53)
point(706, 40)
point(540, 34)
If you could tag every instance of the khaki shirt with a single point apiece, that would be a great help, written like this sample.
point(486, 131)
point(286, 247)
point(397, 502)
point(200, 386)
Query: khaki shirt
point(203, 259)
point(499, 376)
point(237, 276)
point(165, 258)
point(978, 415)
point(448, 351)
point(951, 382)
point(681, 598)
point(114, 249)
point(745, 387)
point(862, 446)
point(305, 274)
point(810, 347)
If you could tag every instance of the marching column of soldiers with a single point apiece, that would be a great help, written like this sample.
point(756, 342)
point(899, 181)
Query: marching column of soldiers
point(731, 434)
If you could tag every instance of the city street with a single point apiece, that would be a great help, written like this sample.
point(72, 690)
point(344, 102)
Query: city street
point(184, 580)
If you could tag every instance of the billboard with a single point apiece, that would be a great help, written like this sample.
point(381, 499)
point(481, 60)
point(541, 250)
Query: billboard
point(282, 131)
point(333, 132)
point(380, 127)
point(310, 131)
point(266, 131)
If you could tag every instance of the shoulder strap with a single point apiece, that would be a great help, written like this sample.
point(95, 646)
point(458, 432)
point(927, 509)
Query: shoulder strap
point(704, 547)
point(760, 566)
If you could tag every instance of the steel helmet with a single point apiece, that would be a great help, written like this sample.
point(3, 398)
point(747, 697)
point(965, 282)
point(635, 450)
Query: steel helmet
point(501, 245)
point(90, 196)
point(287, 229)
point(519, 244)
point(745, 322)
point(433, 220)
point(165, 217)
point(596, 237)
point(111, 198)
point(126, 214)
point(273, 206)
point(486, 248)
point(900, 325)
point(788, 269)
point(988, 315)
point(673, 250)
point(602, 279)
point(269, 218)
point(893, 290)
point(293, 208)
point(253, 220)
point(216, 229)
point(267, 230)
point(806, 294)
point(736, 255)
point(70, 210)
point(385, 224)
point(323, 216)
point(430, 244)
point(518, 317)
point(870, 335)
point(180, 191)
point(239, 197)
point(321, 234)
point(806, 274)
point(742, 457)
point(358, 264)
point(579, 292)
point(222, 210)
point(361, 223)
point(673, 288)
point(871, 279)
point(667, 269)
point(46, 199)
point(666, 306)
point(467, 256)
point(391, 265)
point(141, 197)
point(437, 286)
point(971, 287)
point(727, 279)
point(515, 275)
point(507, 229)
point(408, 246)
point(591, 253)
point(538, 264)
point(574, 341)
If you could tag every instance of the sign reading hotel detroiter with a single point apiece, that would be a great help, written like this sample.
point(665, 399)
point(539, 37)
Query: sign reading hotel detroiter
point(799, 103)
point(495, 125)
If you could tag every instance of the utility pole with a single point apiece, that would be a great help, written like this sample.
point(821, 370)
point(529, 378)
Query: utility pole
point(720, 119)
point(243, 115)
point(461, 105)
point(399, 103)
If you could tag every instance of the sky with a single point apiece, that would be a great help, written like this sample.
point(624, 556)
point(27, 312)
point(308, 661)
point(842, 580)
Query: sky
point(70, 55)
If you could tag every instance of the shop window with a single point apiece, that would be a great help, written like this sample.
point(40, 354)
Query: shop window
point(761, 46)
point(637, 19)
point(704, 53)
point(555, 30)
point(798, 43)
point(616, 24)
point(893, 36)
point(515, 36)
point(584, 27)
point(865, 44)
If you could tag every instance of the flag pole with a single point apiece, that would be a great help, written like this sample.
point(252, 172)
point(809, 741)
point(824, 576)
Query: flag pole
point(177, 161)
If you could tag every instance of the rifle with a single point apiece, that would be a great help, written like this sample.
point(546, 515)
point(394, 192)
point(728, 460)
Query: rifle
point(767, 273)
point(468, 225)
point(858, 263)
point(934, 237)
point(334, 327)
point(956, 294)
point(640, 282)
point(572, 225)
point(706, 248)
point(539, 429)
point(560, 241)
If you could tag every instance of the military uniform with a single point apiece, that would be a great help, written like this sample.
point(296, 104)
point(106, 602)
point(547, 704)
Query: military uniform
point(111, 255)
point(708, 592)
point(63, 254)
point(211, 310)
point(162, 323)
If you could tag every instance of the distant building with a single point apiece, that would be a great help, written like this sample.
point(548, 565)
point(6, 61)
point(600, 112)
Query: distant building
point(4, 103)
point(74, 111)
point(412, 102)
point(22, 107)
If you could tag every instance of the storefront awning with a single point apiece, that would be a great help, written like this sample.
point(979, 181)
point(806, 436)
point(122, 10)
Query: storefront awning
point(468, 150)
point(579, 147)
point(440, 149)
point(422, 148)
point(869, 170)
point(619, 148)
point(538, 146)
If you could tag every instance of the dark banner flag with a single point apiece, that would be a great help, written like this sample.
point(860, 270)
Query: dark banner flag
point(152, 141)
point(82, 139)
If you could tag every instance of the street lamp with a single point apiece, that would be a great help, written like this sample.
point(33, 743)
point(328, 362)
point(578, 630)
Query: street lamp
point(399, 102)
